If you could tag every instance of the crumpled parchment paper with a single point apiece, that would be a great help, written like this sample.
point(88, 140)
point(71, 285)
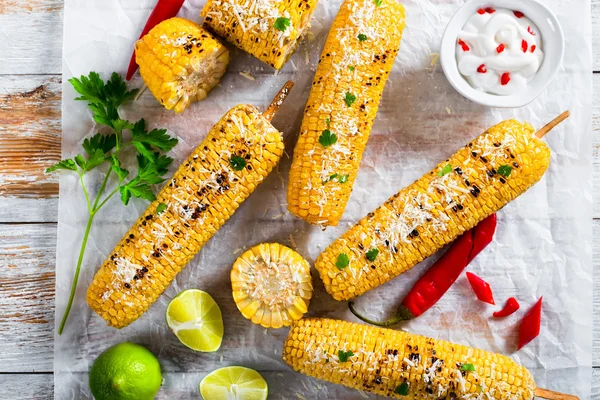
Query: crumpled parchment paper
point(542, 245)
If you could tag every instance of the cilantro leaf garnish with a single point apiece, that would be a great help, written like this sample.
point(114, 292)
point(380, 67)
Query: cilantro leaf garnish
point(327, 138)
point(362, 37)
point(372, 254)
point(342, 261)
point(343, 178)
point(378, 2)
point(349, 99)
point(402, 389)
point(336, 177)
point(505, 170)
point(446, 170)
point(64, 164)
point(99, 141)
point(328, 122)
point(146, 142)
point(343, 356)
point(282, 24)
point(237, 163)
point(162, 207)
point(467, 367)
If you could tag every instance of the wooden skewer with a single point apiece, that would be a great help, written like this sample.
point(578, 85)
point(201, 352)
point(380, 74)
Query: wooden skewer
point(550, 395)
point(278, 101)
point(540, 134)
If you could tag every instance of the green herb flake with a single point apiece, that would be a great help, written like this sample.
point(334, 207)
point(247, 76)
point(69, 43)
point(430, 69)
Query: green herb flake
point(162, 207)
point(446, 170)
point(372, 254)
point(342, 261)
point(468, 367)
point(343, 178)
point(362, 37)
point(237, 163)
point(402, 390)
point(505, 170)
point(330, 178)
point(349, 99)
point(351, 68)
point(328, 122)
point(282, 24)
point(344, 355)
point(327, 138)
point(378, 2)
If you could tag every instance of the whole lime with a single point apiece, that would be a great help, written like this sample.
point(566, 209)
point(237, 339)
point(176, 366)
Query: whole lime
point(126, 371)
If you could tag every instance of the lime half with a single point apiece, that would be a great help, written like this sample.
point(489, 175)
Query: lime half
point(234, 383)
point(196, 320)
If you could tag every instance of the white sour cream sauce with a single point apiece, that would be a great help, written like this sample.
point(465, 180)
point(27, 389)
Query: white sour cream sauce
point(499, 51)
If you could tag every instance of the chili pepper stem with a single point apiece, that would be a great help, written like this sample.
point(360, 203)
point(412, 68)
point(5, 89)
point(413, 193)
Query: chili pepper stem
point(402, 314)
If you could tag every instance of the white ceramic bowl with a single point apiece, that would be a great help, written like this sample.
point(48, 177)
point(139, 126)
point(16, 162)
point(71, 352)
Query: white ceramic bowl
point(552, 41)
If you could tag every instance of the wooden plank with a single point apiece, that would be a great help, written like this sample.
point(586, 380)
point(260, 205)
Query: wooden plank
point(30, 135)
point(27, 297)
point(27, 387)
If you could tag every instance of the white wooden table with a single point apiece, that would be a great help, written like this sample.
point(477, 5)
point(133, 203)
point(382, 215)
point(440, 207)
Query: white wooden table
point(30, 134)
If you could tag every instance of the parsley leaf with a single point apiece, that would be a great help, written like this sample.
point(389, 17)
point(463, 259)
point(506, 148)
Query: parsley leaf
point(351, 68)
point(336, 177)
point(343, 178)
point(145, 142)
point(331, 177)
point(467, 367)
point(402, 390)
point(378, 2)
point(64, 164)
point(344, 355)
point(162, 207)
point(282, 24)
point(342, 261)
point(446, 170)
point(372, 254)
point(327, 138)
point(237, 163)
point(103, 142)
point(328, 122)
point(349, 99)
point(362, 37)
point(115, 164)
point(149, 173)
point(505, 170)
point(95, 159)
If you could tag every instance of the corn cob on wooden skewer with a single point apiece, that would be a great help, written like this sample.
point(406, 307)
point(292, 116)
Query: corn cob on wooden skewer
point(236, 156)
point(474, 183)
point(270, 30)
point(180, 62)
point(358, 56)
point(271, 285)
point(402, 365)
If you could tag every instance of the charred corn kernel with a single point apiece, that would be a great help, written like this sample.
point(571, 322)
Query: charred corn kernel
point(354, 66)
point(400, 364)
point(236, 156)
point(270, 30)
point(180, 62)
point(271, 285)
point(474, 183)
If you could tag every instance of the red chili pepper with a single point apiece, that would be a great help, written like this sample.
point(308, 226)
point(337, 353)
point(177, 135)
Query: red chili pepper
point(510, 307)
point(518, 14)
point(462, 44)
point(533, 47)
point(524, 46)
point(500, 48)
point(505, 78)
point(482, 289)
point(164, 10)
point(530, 30)
point(490, 10)
point(441, 275)
point(482, 69)
point(481, 11)
point(530, 325)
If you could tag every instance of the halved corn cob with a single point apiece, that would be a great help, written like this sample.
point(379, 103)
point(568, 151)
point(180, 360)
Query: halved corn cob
point(474, 183)
point(180, 62)
point(400, 364)
point(236, 156)
point(270, 30)
point(271, 285)
point(354, 66)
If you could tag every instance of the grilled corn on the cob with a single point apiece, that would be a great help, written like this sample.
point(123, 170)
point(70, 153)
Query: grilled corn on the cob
point(236, 156)
point(180, 62)
point(354, 66)
point(400, 364)
point(271, 285)
point(474, 183)
point(270, 30)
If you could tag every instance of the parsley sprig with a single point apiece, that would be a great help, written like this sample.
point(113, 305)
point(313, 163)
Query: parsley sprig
point(282, 23)
point(104, 100)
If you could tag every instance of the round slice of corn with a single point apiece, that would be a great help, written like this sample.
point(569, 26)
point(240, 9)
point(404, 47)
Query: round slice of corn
point(271, 285)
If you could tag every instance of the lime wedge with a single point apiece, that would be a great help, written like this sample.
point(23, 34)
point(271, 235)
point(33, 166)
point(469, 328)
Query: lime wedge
point(233, 383)
point(196, 320)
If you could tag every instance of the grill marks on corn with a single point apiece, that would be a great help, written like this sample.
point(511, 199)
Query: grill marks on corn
point(204, 192)
point(250, 25)
point(433, 211)
point(384, 359)
point(344, 99)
